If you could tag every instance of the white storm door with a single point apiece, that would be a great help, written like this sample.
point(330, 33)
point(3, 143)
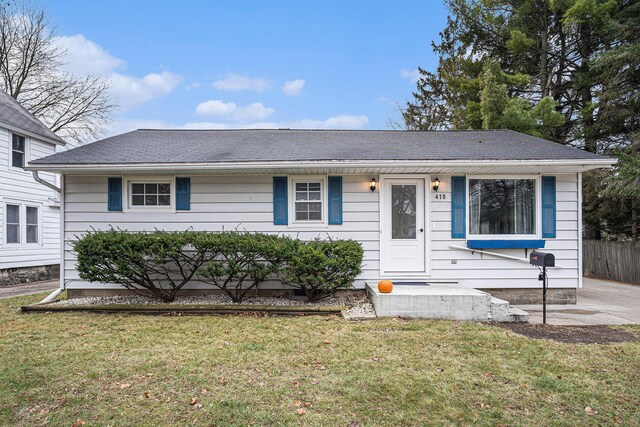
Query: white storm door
point(403, 225)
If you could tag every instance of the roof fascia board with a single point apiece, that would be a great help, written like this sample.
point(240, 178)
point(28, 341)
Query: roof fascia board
point(318, 164)
point(31, 134)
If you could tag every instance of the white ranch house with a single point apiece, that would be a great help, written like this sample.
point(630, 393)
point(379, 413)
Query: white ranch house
point(434, 207)
point(29, 210)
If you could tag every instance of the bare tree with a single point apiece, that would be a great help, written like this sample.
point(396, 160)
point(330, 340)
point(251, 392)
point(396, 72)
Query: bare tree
point(32, 71)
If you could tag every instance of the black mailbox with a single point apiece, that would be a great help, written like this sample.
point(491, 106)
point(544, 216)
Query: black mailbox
point(542, 259)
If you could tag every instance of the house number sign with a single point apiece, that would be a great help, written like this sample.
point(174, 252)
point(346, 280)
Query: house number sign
point(440, 197)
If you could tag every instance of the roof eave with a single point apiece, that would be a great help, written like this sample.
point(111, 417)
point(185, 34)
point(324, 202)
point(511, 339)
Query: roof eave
point(32, 134)
point(578, 164)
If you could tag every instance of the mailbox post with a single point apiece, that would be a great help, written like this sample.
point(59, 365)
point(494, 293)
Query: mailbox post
point(544, 260)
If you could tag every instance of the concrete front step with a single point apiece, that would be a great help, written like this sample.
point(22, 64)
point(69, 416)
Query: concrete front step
point(442, 301)
point(502, 312)
point(437, 301)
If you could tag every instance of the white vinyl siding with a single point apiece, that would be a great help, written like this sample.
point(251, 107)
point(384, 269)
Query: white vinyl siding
point(484, 271)
point(222, 203)
point(18, 187)
point(246, 203)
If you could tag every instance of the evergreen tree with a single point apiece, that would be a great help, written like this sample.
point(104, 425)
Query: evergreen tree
point(565, 70)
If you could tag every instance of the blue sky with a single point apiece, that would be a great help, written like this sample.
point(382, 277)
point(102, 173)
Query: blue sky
point(205, 64)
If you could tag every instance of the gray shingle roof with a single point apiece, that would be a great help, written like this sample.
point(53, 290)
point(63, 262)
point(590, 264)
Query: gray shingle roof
point(220, 146)
point(16, 116)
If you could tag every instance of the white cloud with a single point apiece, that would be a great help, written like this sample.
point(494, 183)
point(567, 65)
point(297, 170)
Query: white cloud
point(86, 57)
point(342, 121)
point(255, 111)
point(411, 75)
point(293, 87)
point(130, 90)
point(229, 110)
point(215, 107)
point(235, 82)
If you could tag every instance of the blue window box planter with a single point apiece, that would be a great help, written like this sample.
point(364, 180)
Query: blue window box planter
point(505, 244)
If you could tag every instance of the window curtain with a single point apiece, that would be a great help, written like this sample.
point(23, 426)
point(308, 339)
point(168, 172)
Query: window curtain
point(525, 206)
point(474, 206)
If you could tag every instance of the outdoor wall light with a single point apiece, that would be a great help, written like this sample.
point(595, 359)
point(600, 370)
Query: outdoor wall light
point(436, 184)
point(372, 186)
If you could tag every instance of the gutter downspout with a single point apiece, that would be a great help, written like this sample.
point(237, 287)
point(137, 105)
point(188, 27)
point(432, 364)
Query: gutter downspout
point(58, 190)
point(39, 180)
point(53, 295)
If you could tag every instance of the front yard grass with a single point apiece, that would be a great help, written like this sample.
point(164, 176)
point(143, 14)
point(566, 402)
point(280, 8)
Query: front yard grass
point(123, 370)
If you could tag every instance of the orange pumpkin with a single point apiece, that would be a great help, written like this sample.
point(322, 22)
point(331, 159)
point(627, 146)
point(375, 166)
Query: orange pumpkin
point(385, 286)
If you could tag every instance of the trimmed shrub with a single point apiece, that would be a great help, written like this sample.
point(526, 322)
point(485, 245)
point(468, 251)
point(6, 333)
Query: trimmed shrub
point(242, 260)
point(160, 263)
point(320, 268)
point(156, 264)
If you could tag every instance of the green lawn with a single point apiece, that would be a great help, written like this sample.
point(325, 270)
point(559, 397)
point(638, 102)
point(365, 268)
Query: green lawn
point(59, 369)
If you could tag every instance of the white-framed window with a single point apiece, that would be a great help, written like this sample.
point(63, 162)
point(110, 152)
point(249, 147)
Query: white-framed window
point(12, 215)
point(32, 221)
point(503, 207)
point(18, 151)
point(308, 200)
point(149, 193)
point(22, 223)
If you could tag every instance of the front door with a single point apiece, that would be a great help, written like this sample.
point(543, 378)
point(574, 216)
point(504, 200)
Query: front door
point(403, 225)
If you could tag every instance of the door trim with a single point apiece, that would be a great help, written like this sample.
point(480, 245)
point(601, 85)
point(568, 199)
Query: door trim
point(427, 228)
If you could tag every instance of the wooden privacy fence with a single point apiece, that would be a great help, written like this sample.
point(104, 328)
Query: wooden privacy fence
point(611, 260)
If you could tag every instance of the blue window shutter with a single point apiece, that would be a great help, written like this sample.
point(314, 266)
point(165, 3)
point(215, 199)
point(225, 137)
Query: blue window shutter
point(280, 207)
point(183, 194)
point(114, 199)
point(458, 207)
point(548, 207)
point(335, 200)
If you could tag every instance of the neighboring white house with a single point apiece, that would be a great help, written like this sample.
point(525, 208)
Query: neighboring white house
point(29, 210)
point(426, 206)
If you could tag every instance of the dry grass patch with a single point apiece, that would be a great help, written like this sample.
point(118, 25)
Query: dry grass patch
point(238, 370)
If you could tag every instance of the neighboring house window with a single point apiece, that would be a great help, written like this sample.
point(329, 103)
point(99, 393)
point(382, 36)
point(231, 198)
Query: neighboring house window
point(150, 194)
point(502, 206)
point(308, 201)
point(32, 224)
point(13, 223)
point(17, 151)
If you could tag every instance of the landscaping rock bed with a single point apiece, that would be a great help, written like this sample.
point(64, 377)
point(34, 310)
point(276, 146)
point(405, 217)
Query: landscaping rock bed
point(358, 306)
point(207, 300)
point(361, 311)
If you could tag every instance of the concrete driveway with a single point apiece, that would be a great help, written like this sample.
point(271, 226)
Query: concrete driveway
point(28, 288)
point(600, 302)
